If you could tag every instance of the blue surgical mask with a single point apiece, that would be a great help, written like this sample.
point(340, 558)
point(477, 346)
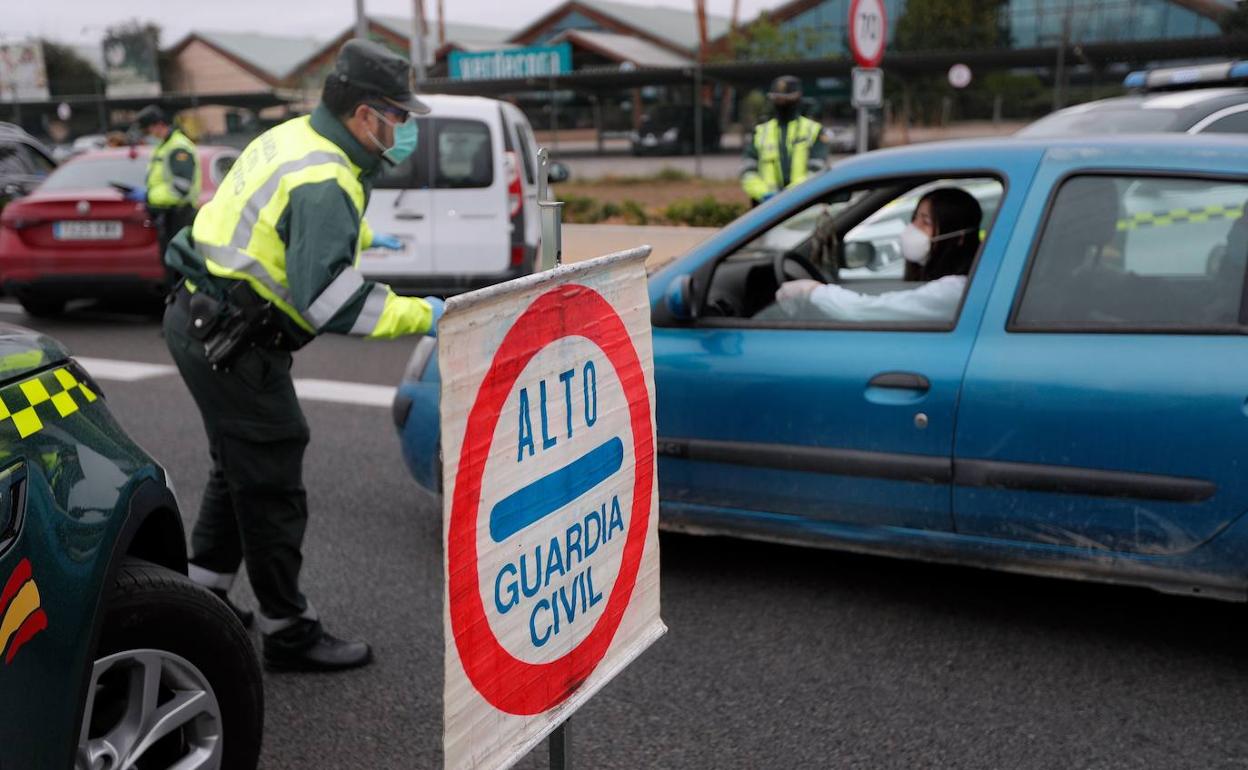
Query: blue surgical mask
point(405, 137)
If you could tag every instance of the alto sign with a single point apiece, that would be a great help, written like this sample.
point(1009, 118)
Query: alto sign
point(551, 503)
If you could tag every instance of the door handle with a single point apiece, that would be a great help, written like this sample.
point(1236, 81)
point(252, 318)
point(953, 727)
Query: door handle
point(404, 214)
point(900, 381)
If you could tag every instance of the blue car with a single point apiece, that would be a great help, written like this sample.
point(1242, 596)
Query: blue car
point(1081, 410)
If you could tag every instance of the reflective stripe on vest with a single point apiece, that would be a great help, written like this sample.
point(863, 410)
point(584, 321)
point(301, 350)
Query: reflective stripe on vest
point(802, 134)
point(162, 186)
point(237, 231)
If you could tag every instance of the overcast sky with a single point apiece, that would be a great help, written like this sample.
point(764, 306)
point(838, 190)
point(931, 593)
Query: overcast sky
point(82, 21)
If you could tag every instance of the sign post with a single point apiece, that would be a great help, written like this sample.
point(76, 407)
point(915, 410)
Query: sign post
point(551, 502)
point(868, 32)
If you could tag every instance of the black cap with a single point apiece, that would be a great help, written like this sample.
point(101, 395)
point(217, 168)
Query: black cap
point(373, 67)
point(785, 88)
point(150, 116)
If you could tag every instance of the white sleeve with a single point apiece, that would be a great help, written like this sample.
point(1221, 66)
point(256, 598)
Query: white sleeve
point(934, 301)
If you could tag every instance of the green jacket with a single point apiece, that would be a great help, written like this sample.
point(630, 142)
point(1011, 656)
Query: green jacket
point(773, 163)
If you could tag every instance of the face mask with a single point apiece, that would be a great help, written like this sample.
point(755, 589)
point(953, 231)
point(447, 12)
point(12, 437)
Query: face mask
point(916, 246)
point(786, 112)
point(405, 137)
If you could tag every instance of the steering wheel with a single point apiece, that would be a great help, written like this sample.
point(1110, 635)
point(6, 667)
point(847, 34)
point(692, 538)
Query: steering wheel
point(805, 264)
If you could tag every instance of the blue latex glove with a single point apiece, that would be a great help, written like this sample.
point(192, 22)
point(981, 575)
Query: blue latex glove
point(137, 194)
point(383, 241)
point(438, 307)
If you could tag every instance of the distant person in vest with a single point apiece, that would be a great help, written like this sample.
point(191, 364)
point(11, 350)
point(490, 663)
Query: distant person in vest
point(173, 181)
point(785, 150)
point(268, 266)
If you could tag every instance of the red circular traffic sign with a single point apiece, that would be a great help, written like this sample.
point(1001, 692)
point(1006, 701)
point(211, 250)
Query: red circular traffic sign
point(868, 31)
point(507, 682)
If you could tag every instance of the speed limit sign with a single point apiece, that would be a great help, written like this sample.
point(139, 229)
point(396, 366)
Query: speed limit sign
point(868, 30)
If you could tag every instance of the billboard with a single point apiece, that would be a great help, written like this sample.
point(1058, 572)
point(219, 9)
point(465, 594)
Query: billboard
point(533, 61)
point(130, 67)
point(22, 74)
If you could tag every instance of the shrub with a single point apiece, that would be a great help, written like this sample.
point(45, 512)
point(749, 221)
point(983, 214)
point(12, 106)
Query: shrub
point(703, 212)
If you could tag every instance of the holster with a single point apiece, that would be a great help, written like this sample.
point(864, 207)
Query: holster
point(228, 327)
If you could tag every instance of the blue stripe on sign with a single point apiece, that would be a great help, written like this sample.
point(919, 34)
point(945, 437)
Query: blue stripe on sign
point(552, 492)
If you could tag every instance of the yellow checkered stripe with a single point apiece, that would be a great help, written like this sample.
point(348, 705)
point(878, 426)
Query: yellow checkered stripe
point(1179, 217)
point(30, 405)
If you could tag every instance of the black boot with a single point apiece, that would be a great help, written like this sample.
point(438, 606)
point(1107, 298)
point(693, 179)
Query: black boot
point(244, 616)
point(306, 646)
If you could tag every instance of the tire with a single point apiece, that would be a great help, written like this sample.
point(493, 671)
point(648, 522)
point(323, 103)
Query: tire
point(157, 619)
point(41, 307)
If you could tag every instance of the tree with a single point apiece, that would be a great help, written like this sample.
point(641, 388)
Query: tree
point(951, 25)
point(764, 40)
point(68, 73)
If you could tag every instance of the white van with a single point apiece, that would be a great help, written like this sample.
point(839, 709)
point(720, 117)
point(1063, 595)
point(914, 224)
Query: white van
point(464, 206)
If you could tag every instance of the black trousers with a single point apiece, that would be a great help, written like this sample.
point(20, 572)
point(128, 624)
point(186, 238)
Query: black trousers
point(254, 507)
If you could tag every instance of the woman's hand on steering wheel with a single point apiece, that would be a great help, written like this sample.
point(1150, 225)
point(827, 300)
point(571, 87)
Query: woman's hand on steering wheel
point(782, 275)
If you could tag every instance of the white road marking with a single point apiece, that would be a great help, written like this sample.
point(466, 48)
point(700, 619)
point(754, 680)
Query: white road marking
point(123, 371)
point(344, 392)
point(308, 389)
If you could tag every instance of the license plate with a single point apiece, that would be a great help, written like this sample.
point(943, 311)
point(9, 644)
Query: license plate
point(103, 230)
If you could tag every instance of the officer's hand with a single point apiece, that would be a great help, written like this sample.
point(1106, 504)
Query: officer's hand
point(383, 241)
point(438, 307)
point(137, 194)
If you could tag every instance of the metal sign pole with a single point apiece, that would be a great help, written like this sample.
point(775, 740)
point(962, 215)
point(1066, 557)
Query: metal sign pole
point(863, 128)
point(560, 756)
point(551, 212)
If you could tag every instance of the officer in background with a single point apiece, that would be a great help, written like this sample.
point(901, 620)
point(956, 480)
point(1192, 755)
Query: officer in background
point(785, 150)
point(269, 265)
point(173, 180)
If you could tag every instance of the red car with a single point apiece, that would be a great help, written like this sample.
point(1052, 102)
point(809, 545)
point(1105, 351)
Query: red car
point(76, 236)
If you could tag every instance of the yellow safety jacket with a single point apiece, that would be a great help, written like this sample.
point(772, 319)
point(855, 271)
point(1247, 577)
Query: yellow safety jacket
point(168, 183)
point(765, 172)
point(238, 235)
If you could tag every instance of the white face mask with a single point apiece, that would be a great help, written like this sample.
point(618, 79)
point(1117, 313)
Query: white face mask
point(916, 245)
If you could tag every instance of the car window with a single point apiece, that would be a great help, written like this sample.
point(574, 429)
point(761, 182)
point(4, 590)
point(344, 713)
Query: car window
point(221, 165)
point(36, 162)
point(464, 154)
point(527, 153)
point(853, 239)
point(95, 173)
point(1138, 254)
point(1235, 123)
point(1126, 120)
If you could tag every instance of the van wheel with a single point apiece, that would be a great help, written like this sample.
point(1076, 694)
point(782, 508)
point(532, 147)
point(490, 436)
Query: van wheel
point(41, 307)
point(175, 679)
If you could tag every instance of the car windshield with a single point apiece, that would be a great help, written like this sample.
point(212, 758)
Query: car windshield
point(1103, 121)
point(94, 173)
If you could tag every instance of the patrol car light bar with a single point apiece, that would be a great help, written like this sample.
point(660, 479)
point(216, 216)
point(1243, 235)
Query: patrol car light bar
point(1179, 77)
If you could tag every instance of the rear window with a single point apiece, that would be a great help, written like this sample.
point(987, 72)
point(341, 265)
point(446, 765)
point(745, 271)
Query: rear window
point(464, 154)
point(1139, 255)
point(94, 173)
point(1104, 121)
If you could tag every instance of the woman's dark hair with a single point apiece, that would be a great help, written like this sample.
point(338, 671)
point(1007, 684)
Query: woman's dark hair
point(341, 97)
point(953, 209)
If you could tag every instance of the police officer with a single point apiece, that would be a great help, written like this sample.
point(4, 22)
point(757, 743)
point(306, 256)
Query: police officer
point(269, 265)
point(784, 150)
point(173, 181)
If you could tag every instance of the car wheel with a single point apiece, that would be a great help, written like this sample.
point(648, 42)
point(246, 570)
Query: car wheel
point(41, 307)
point(175, 682)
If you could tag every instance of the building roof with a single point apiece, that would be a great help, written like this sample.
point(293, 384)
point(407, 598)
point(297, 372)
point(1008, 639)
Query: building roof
point(272, 56)
point(625, 48)
point(674, 26)
point(478, 36)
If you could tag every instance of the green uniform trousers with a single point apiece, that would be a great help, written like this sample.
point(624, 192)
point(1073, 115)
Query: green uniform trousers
point(254, 507)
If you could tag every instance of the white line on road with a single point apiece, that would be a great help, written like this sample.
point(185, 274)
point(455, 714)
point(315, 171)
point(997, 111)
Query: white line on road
point(309, 389)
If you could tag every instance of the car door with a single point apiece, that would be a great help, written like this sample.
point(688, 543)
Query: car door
point(472, 220)
point(402, 205)
point(1104, 404)
point(848, 423)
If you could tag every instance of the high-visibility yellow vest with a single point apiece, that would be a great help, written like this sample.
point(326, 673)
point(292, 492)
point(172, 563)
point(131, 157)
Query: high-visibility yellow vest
point(801, 135)
point(164, 190)
point(236, 232)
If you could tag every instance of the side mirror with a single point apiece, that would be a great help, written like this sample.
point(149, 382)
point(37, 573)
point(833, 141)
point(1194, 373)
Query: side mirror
point(679, 298)
point(558, 173)
point(859, 254)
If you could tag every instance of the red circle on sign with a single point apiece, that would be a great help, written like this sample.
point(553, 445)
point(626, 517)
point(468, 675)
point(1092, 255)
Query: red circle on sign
point(508, 683)
point(861, 56)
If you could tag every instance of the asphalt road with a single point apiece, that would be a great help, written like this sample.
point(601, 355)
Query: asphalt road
point(776, 657)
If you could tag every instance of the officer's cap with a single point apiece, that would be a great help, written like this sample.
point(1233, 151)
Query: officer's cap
point(785, 88)
point(374, 67)
point(150, 116)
